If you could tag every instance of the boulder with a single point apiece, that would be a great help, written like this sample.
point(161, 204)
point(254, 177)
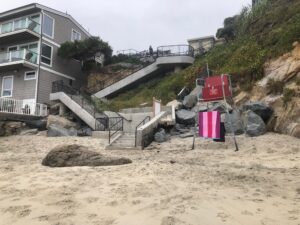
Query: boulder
point(37, 124)
point(261, 109)
point(57, 131)
point(254, 125)
point(237, 123)
point(76, 155)
point(2, 130)
point(60, 121)
point(199, 108)
point(221, 107)
point(29, 132)
point(189, 101)
point(160, 136)
point(185, 117)
point(197, 91)
point(84, 131)
point(296, 131)
point(187, 135)
point(181, 128)
point(8, 128)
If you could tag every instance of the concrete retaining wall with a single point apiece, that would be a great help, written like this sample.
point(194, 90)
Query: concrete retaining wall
point(145, 132)
point(135, 119)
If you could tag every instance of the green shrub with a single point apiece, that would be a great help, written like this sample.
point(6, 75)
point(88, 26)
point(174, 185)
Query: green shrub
point(275, 86)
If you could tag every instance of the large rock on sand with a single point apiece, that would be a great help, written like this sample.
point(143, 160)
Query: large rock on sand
point(254, 125)
point(234, 121)
point(160, 136)
point(261, 109)
point(76, 155)
point(57, 131)
point(190, 101)
point(185, 117)
point(61, 122)
point(8, 128)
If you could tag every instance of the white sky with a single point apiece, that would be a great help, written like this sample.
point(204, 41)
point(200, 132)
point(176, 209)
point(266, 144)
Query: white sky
point(139, 23)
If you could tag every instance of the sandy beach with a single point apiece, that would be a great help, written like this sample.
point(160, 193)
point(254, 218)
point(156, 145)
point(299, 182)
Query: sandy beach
point(167, 184)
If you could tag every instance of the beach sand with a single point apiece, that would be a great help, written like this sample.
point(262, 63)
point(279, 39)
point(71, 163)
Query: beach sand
point(167, 184)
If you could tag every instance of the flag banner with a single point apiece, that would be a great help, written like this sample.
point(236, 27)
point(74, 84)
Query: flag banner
point(209, 124)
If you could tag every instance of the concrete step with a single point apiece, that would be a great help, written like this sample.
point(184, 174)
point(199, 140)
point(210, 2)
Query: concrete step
point(119, 147)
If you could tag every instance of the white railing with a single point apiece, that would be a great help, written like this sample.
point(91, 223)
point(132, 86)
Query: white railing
point(13, 56)
point(19, 24)
point(22, 107)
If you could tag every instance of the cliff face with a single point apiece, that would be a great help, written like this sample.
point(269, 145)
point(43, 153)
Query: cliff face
point(285, 69)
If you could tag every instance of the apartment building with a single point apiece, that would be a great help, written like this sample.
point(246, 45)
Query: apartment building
point(30, 37)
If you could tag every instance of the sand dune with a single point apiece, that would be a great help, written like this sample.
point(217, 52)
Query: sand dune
point(211, 185)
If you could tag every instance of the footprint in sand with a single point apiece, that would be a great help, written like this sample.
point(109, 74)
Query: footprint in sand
point(169, 220)
point(136, 202)
point(91, 199)
point(112, 203)
point(55, 216)
point(223, 216)
point(18, 211)
point(247, 213)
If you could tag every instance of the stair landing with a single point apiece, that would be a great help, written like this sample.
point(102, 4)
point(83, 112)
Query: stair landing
point(124, 142)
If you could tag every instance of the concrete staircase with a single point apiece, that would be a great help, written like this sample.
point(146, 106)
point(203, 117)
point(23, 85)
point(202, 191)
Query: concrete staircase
point(169, 60)
point(125, 141)
point(78, 104)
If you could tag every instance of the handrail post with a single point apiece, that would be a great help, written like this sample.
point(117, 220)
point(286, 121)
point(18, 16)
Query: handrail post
point(109, 136)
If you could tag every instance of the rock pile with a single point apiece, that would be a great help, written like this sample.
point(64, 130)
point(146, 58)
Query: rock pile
point(250, 119)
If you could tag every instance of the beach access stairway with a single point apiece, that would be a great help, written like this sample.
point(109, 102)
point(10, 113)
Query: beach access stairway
point(138, 127)
point(172, 56)
point(125, 141)
point(79, 105)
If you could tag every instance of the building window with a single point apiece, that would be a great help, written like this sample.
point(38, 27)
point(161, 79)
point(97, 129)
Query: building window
point(76, 36)
point(46, 54)
point(6, 27)
point(7, 86)
point(30, 75)
point(48, 26)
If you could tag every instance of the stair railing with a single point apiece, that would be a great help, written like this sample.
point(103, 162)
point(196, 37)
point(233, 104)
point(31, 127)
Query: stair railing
point(102, 84)
point(78, 97)
point(143, 122)
point(115, 128)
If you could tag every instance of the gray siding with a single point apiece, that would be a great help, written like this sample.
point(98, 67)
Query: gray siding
point(62, 33)
point(22, 89)
point(26, 89)
point(63, 28)
point(69, 67)
point(45, 85)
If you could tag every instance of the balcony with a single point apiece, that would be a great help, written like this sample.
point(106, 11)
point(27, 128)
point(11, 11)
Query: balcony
point(12, 108)
point(16, 59)
point(19, 30)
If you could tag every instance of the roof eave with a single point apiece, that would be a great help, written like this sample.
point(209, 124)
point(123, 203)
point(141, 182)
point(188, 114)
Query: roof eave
point(42, 7)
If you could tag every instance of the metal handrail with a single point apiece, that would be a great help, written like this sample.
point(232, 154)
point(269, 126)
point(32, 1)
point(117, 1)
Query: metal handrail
point(187, 51)
point(110, 134)
point(108, 84)
point(87, 104)
point(141, 123)
point(175, 50)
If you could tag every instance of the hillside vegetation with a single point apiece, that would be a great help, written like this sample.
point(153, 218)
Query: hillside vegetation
point(254, 36)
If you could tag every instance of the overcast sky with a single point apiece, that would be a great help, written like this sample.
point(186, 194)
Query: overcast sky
point(138, 23)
